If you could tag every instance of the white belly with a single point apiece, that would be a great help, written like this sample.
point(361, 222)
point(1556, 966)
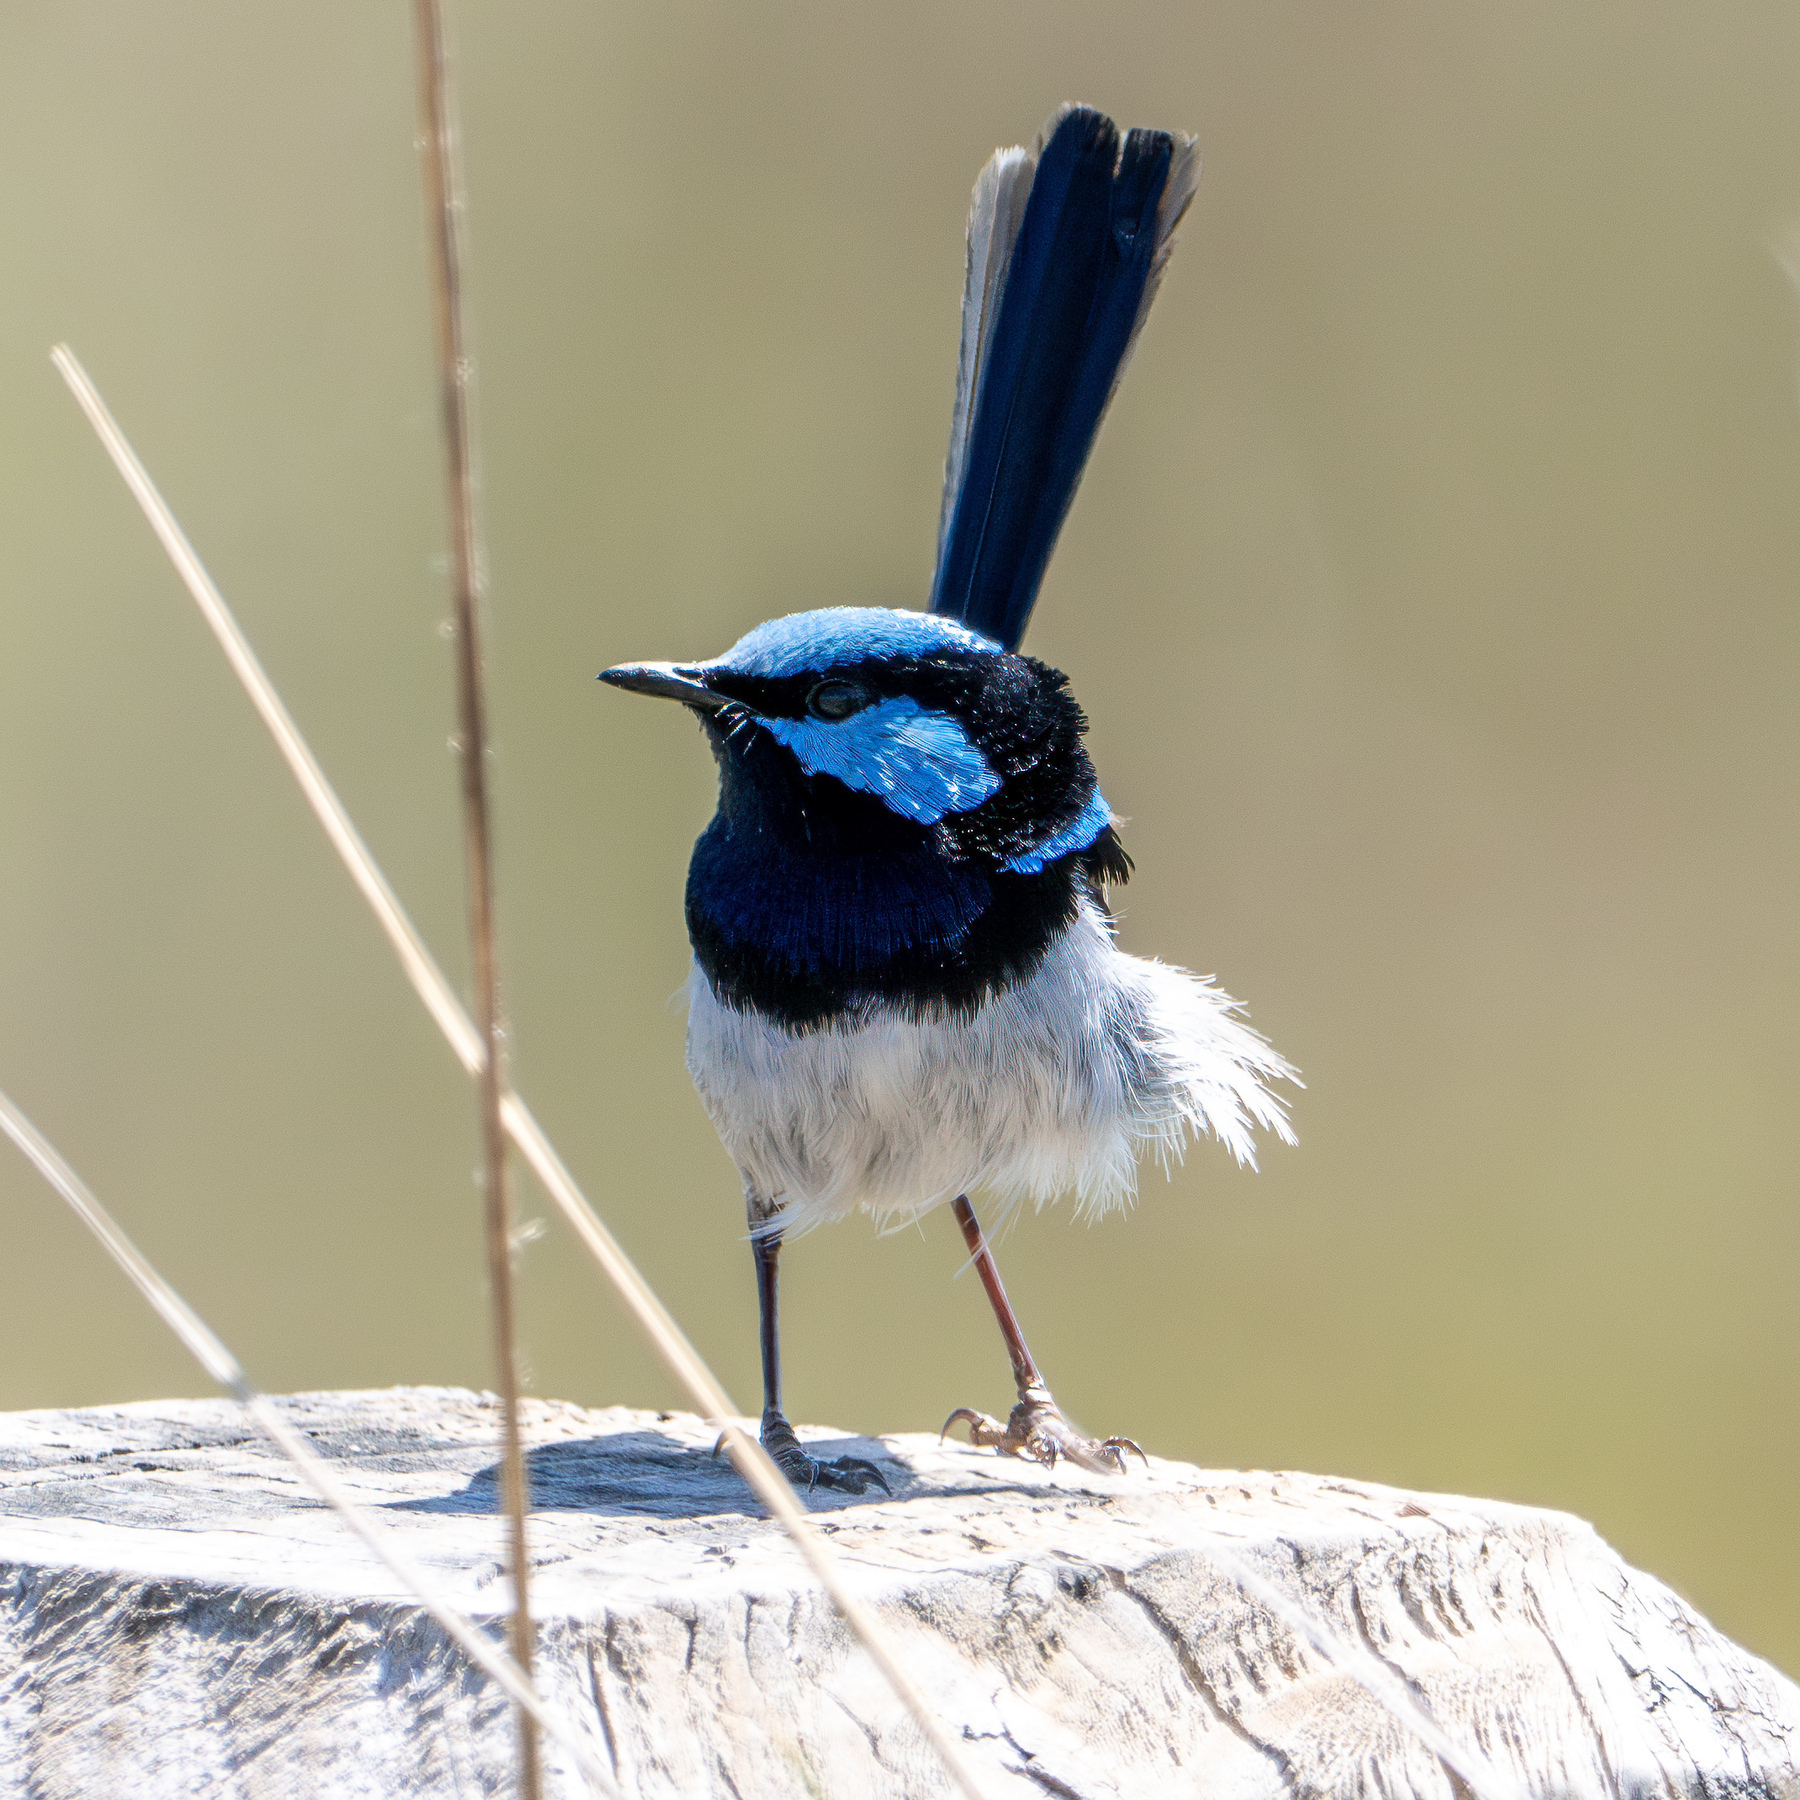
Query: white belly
point(1059, 1085)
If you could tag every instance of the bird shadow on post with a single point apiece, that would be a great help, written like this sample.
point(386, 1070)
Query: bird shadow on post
point(655, 1475)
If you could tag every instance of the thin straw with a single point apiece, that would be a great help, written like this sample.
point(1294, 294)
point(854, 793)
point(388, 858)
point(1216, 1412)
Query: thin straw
point(210, 1352)
point(752, 1461)
point(443, 197)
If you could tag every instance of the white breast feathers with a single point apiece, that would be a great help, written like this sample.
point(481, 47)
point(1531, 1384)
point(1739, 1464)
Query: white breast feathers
point(1059, 1085)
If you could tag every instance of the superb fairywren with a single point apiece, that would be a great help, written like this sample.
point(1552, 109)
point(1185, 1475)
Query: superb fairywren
point(905, 985)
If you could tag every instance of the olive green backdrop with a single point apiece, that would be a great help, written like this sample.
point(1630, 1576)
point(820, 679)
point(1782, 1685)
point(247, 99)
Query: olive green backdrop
point(1432, 593)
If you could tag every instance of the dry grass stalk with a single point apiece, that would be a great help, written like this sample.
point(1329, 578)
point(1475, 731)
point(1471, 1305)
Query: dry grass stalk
point(443, 196)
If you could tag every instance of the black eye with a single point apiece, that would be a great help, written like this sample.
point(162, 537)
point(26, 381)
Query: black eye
point(838, 699)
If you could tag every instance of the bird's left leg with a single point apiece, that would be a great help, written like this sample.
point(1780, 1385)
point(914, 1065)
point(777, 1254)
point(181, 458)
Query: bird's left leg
point(1036, 1428)
point(850, 1474)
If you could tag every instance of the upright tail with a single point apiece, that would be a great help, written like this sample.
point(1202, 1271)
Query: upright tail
point(1066, 245)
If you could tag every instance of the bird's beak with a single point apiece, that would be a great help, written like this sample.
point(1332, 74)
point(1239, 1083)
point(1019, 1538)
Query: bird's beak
point(667, 680)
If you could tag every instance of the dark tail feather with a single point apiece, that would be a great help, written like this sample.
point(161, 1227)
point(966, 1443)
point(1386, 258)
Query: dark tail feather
point(1059, 281)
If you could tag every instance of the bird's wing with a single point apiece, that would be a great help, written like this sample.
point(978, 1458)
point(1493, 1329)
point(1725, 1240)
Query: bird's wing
point(1066, 245)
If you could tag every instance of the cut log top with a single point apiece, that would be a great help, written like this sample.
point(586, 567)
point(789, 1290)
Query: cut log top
point(178, 1616)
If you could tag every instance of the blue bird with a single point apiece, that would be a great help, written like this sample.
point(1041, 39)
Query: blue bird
point(905, 985)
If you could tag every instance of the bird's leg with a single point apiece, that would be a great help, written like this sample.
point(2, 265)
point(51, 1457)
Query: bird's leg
point(851, 1474)
point(1036, 1429)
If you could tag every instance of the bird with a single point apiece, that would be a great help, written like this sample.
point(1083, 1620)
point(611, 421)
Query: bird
point(906, 988)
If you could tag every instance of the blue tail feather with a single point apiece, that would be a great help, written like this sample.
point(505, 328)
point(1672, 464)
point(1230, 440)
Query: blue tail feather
point(1093, 236)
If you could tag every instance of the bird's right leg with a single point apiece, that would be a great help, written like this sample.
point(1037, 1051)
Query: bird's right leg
point(850, 1474)
point(1036, 1429)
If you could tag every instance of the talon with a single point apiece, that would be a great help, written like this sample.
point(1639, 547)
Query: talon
point(1120, 1445)
point(848, 1475)
point(966, 1415)
point(984, 1431)
point(862, 1470)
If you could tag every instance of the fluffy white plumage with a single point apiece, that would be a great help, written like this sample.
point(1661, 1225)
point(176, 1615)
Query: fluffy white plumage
point(1059, 1085)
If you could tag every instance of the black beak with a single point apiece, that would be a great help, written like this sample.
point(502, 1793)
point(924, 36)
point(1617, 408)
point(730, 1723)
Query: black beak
point(666, 680)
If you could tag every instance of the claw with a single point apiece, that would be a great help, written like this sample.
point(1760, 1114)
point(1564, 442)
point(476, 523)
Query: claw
point(966, 1415)
point(1120, 1445)
point(851, 1469)
point(985, 1431)
point(844, 1474)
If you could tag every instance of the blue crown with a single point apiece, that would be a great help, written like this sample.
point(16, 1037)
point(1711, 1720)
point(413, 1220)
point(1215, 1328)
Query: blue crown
point(836, 636)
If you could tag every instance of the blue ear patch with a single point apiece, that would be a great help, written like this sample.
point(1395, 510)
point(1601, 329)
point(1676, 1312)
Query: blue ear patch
point(918, 763)
point(837, 636)
point(1078, 834)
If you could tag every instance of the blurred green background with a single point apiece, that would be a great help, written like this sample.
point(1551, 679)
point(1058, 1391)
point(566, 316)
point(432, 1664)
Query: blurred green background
point(1432, 593)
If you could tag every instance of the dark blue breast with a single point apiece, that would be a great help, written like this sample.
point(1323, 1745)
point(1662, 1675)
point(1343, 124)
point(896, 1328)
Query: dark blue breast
point(813, 912)
point(807, 902)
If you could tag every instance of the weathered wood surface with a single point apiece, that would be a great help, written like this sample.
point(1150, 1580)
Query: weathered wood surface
point(179, 1618)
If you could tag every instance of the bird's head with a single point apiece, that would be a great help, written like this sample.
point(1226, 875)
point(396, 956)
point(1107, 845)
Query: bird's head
point(860, 728)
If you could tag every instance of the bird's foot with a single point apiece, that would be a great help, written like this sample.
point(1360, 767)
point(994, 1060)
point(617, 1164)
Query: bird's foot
point(1037, 1431)
point(843, 1474)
